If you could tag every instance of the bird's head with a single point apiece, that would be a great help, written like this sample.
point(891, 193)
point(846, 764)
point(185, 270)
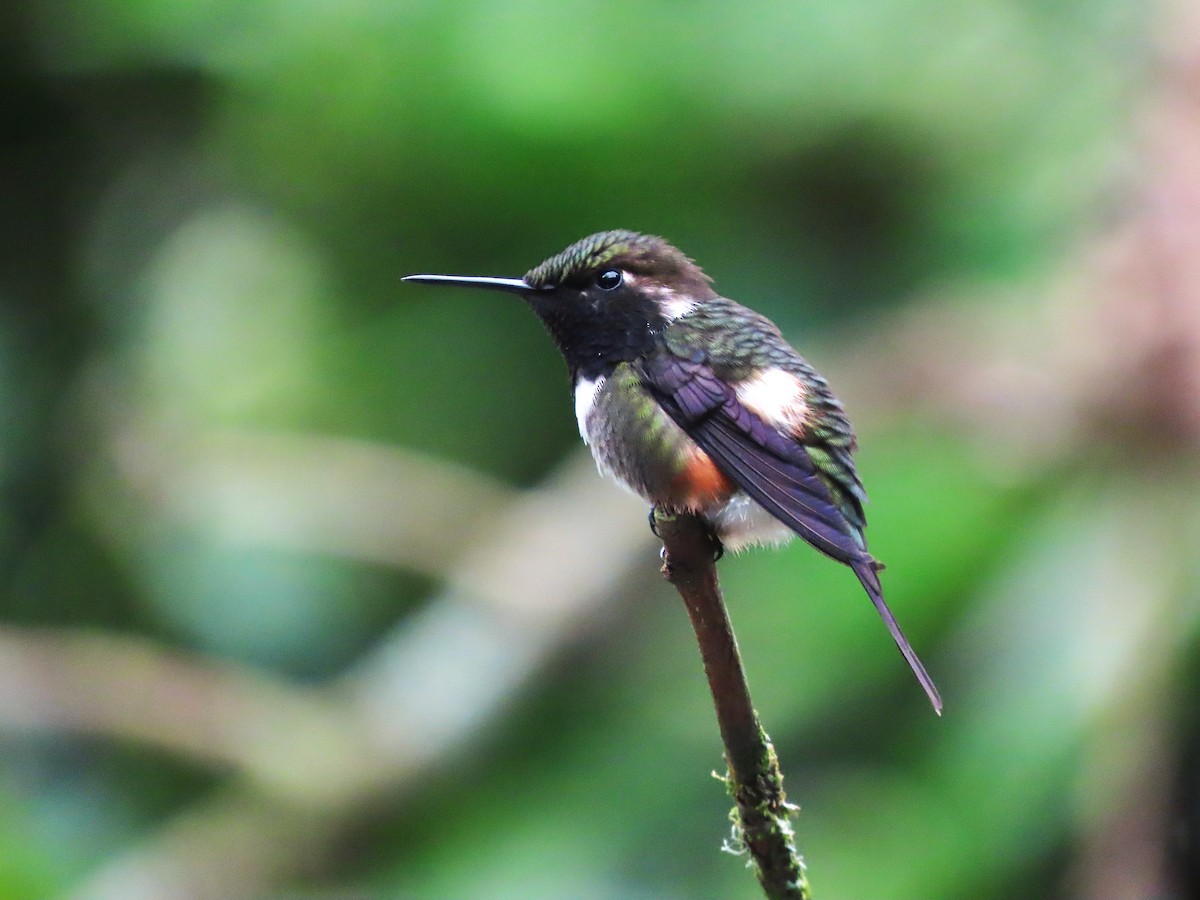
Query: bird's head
point(604, 297)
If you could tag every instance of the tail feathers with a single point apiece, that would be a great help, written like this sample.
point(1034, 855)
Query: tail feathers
point(865, 568)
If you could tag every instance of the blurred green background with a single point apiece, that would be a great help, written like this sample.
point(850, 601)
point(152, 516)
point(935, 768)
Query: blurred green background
point(308, 587)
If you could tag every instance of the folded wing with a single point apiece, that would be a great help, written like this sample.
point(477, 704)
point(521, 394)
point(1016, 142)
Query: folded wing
point(774, 469)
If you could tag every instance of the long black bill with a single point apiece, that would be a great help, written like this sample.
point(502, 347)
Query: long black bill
point(509, 285)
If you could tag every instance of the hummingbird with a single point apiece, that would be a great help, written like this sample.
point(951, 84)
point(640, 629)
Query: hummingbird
point(698, 404)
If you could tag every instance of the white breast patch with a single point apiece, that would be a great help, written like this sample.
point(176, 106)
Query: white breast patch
point(585, 398)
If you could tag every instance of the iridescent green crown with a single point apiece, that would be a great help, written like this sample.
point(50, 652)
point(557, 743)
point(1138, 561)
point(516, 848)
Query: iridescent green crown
point(641, 253)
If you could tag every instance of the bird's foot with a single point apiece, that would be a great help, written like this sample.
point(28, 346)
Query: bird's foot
point(718, 548)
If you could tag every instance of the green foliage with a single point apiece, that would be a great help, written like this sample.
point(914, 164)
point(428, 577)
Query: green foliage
point(211, 379)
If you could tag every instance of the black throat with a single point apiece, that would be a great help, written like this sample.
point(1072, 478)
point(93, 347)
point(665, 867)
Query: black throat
point(598, 332)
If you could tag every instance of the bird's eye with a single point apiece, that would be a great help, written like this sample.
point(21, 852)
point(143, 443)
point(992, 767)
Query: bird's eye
point(609, 279)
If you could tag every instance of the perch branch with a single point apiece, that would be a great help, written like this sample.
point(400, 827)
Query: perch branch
point(762, 814)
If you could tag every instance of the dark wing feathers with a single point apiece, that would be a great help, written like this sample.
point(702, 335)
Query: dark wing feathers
point(785, 489)
point(778, 473)
point(771, 468)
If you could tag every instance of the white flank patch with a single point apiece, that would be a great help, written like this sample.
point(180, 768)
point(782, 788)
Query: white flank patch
point(777, 397)
point(742, 523)
point(585, 399)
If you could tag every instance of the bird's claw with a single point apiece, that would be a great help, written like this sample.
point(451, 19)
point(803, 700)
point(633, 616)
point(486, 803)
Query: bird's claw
point(718, 549)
